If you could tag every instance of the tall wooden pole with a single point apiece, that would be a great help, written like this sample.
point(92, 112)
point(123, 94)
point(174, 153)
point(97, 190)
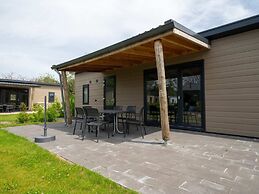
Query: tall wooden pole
point(66, 95)
point(162, 90)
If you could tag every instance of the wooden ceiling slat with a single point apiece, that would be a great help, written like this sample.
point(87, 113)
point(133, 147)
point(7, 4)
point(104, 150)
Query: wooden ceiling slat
point(140, 52)
point(179, 44)
point(132, 57)
point(179, 41)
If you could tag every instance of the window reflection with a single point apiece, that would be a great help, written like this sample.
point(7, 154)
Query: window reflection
point(184, 96)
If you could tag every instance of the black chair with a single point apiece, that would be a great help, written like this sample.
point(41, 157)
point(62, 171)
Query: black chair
point(190, 115)
point(79, 118)
point(138, 121)
point(95, 121)
point(154, 112)
point(86, 107)
point(172, 112)
point(10, 108)
point(193, 114)
point(120, 116)
point(1, 108)
point(130, 112)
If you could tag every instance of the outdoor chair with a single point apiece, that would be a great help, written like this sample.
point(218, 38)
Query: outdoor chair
point(191, 114)
point(154, 112)
point(172, 113)
point(86, 107)
point(9, 108)
point(95, 121)
point(129, 113)
point(1, 108)
point(120, 116)
point(79, 118)
point(138, 121)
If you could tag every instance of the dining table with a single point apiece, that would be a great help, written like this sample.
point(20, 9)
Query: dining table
point(115, 119)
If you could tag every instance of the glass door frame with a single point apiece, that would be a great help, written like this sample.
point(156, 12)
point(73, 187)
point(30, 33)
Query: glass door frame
point(179, 68)
point(104, 92)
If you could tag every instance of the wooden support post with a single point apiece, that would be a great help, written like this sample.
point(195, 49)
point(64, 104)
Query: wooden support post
point(66, 95)
point(162, 90)
point(30, 105)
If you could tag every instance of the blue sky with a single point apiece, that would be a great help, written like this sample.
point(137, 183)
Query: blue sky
point(34, 35)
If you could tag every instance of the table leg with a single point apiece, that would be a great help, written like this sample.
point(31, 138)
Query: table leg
point(114, 124)
point(117, 128)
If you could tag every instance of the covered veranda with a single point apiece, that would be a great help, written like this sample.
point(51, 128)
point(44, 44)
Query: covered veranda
point(157, 46)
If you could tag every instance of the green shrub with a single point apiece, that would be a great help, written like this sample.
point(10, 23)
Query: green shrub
point(53, 112)
point(52, 115)
point(37, 106)
point(57, 105)
point(38, 115)
point(23, 107)
point(23, 117)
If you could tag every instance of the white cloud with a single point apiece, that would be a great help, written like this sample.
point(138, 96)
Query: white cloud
point(37, 34)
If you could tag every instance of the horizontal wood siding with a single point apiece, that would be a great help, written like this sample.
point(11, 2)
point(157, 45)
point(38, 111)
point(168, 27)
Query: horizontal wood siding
point(129, 87)
point(232, 85)
point(95, 89)
point(38, 94)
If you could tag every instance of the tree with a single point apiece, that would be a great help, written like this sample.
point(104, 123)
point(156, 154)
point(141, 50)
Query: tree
point(46, 78)
point(12, 76)
point(71, 90)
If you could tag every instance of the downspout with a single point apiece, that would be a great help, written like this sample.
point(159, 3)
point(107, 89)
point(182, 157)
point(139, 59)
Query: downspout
point(62, 95)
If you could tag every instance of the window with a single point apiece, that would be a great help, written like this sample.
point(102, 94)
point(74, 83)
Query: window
point(12, 97)
point(51, 97)
point(109, 92)
point(86, 94)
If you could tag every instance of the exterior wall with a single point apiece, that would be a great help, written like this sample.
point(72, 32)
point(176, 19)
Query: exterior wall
point(37, 94)
point(231, 84)
point(130, 87)
point(95, 89)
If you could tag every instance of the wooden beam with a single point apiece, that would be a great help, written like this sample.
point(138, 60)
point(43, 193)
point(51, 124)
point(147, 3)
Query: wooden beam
point(162, 90)
point(191, 38)
point(178, 43)
point(66, 95)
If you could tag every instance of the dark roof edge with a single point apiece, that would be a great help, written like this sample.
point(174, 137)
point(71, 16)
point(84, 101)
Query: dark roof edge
point(27, 82)
point(236, 27)
point(168, 26)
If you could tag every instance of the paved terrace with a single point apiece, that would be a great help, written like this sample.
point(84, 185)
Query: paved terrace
point(190, 163)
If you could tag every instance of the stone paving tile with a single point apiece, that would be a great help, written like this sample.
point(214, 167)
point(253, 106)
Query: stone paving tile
point(190, 163)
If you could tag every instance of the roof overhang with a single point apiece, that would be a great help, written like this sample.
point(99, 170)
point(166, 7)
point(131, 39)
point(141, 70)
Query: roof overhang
point(17, 85)
point(23, 83)
point(176, 39)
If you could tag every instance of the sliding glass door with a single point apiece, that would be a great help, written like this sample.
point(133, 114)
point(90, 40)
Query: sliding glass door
point(14, 96)
point(184, 83)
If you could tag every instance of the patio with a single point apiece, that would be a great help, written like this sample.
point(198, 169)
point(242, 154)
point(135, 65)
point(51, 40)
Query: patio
point(190, 163)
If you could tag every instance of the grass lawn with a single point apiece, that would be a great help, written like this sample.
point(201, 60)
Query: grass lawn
point(9, 120)
point(27, 168)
